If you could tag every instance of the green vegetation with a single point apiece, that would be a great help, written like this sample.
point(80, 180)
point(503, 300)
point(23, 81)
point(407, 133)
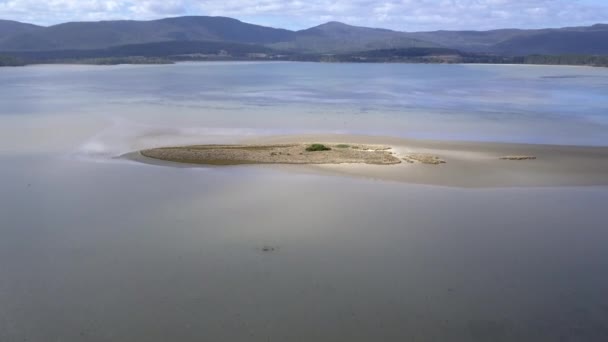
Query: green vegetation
point(220, 38)
point(175, 51)
point(10, 61)
point(120, 60)
point(599, 61)
point(317, 147)
point(416, 55)
point(342, 146)
point(442, 55)
point(150, 53)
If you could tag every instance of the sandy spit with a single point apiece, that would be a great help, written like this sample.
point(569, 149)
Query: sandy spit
point(275, 154)
point(454, 164)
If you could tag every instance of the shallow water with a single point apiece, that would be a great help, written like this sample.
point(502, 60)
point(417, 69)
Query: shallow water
point(94, 249)
point(147, 105)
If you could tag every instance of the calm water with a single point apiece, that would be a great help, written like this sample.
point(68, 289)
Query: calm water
point(556, 105)
point(93, 249)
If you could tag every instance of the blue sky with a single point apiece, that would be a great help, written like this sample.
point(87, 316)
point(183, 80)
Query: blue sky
point(404, 15)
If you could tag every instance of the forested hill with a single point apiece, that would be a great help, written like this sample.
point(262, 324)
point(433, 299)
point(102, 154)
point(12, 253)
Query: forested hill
point(221, 38)
point(332, 37)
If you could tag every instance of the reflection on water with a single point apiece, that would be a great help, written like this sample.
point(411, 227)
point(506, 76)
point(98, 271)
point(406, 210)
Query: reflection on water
point(95, 251)
point(560, 105)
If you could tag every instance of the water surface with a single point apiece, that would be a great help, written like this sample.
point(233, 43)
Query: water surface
point(536, 104)
point(94, 249)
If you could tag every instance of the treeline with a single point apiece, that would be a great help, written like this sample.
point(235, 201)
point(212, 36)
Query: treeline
point(10, 61)
point(164, 50)
point(598, 61)
point(115, 60)
point(408, 52)
point(416, 55)
point(442, 55)
point(403, 55)
point(172, 51)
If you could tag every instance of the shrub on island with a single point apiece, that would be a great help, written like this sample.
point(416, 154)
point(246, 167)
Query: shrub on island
point(317, 147)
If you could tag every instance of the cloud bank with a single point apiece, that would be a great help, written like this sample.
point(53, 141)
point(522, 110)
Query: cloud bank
point(404, 15)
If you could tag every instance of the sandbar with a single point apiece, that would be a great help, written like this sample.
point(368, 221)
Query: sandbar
point(295, 153)
point(441, 163)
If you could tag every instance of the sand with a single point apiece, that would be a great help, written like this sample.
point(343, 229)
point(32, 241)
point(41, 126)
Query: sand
point(454, 164)
point(275, 154)
point(423, 158)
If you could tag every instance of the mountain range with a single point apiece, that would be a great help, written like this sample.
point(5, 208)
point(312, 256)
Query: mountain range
point(329, 38)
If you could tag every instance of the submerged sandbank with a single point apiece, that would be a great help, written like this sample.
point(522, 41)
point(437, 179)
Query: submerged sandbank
point(458, 164)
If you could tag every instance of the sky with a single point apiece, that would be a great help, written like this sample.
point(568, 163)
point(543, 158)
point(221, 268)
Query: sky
point(402, 15)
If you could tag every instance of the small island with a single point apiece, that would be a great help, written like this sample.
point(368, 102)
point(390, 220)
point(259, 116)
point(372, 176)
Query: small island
point(445, 163)
point(297, 153)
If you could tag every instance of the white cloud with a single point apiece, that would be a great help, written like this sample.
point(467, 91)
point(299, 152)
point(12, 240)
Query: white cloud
point(155, 8)
point(406, 15)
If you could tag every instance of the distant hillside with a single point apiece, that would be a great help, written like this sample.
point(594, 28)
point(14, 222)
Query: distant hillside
point(329, 38)
point(468, 40)
point(568, 40)
point(335, 37)
point(10, 28)
point(96, 35)
point(556, 43)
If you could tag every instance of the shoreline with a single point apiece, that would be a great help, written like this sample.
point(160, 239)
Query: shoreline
point(174, 62)
point(443, 163)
